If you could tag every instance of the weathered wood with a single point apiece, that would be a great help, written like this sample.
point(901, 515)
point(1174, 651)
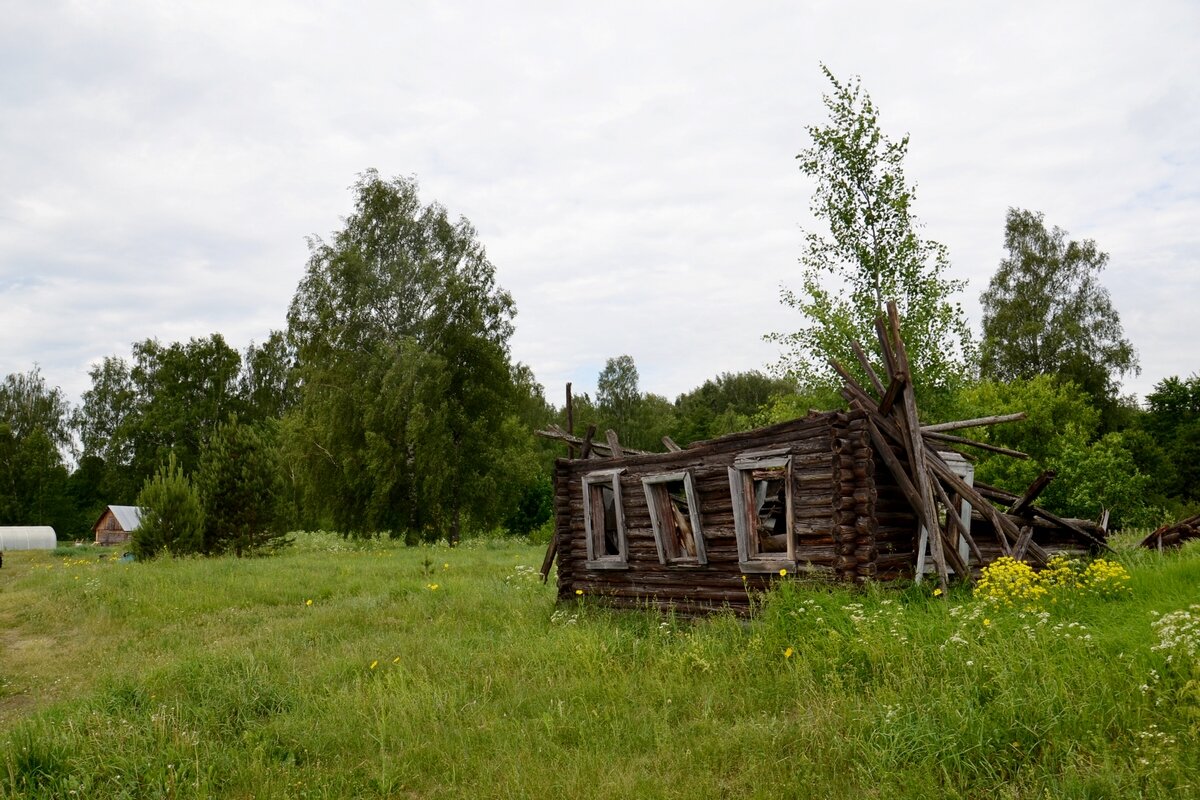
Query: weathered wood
point(962, 440)
point(952, 516)
point(893, 392)
point(1035, 489)
point(865, 363)
point(587, 443)
point(973, 423)
point(669, 443)
point(910, 426)
point(548, 560)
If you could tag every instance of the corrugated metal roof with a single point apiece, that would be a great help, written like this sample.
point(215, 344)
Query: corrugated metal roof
point(27, 537)
point(130, 517)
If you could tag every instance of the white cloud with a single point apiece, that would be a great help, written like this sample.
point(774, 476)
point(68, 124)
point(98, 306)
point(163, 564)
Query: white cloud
point(629, 167)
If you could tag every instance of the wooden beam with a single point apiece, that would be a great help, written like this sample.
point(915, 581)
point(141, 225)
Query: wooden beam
point(1031, 494)
point(991, 448)
point(953, 513)
point(893, 391)
point(587, 441)
point(548, 561)
point(885, 346)
point(865, 363)
point(669, 443)
point(614, 444)
point(973, 423)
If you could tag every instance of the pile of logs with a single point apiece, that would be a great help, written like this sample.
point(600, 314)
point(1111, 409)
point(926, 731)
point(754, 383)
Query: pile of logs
point(932, 488)
point(1174, 535)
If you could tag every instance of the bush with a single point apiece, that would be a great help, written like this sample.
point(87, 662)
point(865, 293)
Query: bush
point(240, 491)
point(172, 518)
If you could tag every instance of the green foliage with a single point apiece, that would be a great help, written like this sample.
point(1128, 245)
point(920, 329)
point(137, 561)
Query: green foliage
point(407, 419)
point(172, 517)
point(267, 384)
point(241, 492)
point(729, 403)
point(534, 507)
point(34, 433)
point(1062, 433)
point(28, 405)
point(1173, 420)
point(874, 254)
point(1045, 313)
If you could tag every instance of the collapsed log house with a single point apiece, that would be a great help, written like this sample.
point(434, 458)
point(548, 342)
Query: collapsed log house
point(857, 495)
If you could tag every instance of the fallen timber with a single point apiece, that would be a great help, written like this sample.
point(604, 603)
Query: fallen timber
point(866, 494)
point(1173, 535)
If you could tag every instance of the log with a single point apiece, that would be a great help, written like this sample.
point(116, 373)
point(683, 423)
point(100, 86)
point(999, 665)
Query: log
point(1036, 488)
point(973, 423)
point(991, 448)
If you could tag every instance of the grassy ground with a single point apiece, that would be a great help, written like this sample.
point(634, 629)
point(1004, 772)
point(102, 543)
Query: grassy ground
point(337, 671)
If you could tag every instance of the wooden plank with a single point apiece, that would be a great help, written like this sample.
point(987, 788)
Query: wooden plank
point(669, 443)
point(1036, 488)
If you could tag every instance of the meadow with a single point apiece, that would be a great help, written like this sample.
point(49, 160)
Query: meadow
point(340, 669)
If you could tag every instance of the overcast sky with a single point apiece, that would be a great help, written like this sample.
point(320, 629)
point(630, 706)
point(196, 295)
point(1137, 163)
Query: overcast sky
point(630, 167)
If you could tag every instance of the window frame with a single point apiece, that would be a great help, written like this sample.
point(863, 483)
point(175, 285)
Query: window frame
point(596, 558)
point(651, 486)
point(741, 486)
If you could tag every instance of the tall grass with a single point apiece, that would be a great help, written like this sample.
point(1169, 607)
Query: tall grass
point(344, 669)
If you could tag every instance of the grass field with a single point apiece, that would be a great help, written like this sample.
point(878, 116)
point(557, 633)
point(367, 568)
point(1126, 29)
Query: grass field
point(337, 670)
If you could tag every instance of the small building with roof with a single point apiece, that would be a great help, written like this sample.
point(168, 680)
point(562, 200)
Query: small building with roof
point(117, 524)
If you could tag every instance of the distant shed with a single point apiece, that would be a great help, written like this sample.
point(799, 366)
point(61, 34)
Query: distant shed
point(117, 524)
point(27, 537)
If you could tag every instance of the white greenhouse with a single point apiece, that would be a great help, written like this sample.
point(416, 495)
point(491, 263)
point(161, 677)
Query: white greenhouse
point(27, 537)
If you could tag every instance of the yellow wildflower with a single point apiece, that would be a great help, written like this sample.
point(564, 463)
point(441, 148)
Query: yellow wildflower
point(782, 572)
point(986, 622)
point(374, 663)
point(579, 591)
point(788, 653)
point(308, 602)
point(396, 660)
point(937, 592)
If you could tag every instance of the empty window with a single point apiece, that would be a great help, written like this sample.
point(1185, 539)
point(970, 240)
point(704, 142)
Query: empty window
point(604, 520)
point(675, 515)
point(761, 487)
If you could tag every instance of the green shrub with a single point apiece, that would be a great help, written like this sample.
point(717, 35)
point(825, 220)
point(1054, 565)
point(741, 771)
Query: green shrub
point(172, 518)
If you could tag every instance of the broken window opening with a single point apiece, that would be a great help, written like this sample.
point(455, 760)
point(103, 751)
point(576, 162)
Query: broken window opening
point(761, 488)
point(674, 514)
point(604, 520)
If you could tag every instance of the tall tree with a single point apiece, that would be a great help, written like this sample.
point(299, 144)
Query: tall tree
point(35, 434)
point(873, 254)
point(172, 517)
point(28, 405)
point(184, 390)
point(618, 394)
point(267, 384)
point(1045, 312)
point(241, 492)
point(407, 401)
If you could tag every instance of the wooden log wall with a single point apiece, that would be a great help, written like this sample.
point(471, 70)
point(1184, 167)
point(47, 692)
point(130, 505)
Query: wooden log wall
point(834, 497)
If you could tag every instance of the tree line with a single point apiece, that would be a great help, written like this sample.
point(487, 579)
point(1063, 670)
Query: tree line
point(390, 404)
